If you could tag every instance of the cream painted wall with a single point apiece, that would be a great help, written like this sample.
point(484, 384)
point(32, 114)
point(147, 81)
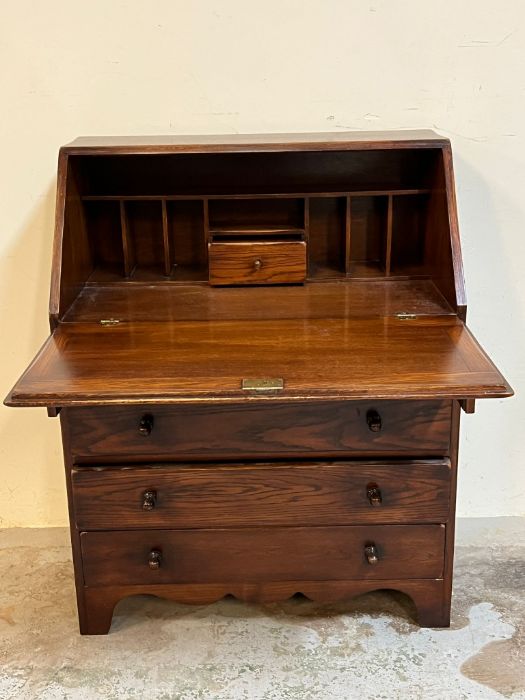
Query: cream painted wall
point(234, 66)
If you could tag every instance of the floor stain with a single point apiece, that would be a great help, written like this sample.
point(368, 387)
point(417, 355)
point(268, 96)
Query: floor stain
point(6, 614)
point(500, 665)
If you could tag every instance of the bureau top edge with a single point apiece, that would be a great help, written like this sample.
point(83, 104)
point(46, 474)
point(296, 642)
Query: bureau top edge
point(208, 143)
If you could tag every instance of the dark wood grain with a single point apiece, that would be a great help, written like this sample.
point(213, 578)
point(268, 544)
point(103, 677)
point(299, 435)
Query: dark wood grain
point(277, 494)
point(277, 213)
point(154, 363)
point(58, 280)
point(427, 595)
point(85, 614)
point(72, 254)
point(456, 259)
point(448, 571)
point(244, 168)
point(180, 482)
point(128, 246)
point(262, 554)
point(166, 239)
point(237, 175)
point(370, 225)
point(309, 429)
point(327, 237)
point(269, 262)
point(172, 302)
point(441, 220)
point(422, 138)
point(262, 194)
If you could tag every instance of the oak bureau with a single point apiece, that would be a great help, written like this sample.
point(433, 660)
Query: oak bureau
point(258, 353)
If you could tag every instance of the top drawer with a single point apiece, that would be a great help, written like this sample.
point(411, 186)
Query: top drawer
point(338, 429)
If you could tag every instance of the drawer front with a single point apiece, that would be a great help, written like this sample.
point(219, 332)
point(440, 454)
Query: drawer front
point(271, 262)
point(278, 494)
point(263, 554)
point(269, 431)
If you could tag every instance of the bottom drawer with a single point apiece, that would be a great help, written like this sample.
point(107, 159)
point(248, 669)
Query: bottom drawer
point(263, 554)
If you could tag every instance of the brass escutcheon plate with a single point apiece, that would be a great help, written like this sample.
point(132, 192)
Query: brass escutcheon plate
point(264, 384)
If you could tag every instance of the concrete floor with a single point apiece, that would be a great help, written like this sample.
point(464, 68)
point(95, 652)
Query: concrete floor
point(366, 649)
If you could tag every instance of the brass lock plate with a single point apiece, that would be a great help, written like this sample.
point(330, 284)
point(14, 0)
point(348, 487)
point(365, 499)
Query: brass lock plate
point(263, 384)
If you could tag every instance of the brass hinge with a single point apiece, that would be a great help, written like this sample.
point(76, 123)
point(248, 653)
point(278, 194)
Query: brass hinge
point(109, 321)
point(405, 316)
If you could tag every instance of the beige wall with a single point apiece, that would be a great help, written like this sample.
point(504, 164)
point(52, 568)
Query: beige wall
point(233, 66)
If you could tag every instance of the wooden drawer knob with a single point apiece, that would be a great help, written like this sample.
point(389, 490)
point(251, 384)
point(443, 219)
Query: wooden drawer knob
point(373, 493)
point(257, 264)
point(149, 499)
point(155, 559)
point(371, 554)
point(374, 420)
point(146, 425)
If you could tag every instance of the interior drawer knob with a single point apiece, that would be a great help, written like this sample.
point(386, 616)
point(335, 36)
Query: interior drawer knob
point(155, 559)
point(146, 425)
point(149, 499)
point(371, 554)
point(374, 420)
point(257, 264)
point(373, 493)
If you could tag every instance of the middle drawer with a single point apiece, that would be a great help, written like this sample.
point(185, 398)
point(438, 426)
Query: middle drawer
point(338, 493)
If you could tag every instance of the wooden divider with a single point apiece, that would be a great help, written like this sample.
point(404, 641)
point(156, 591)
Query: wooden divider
point(127, 243)
point(132, 265)
point(168, 262)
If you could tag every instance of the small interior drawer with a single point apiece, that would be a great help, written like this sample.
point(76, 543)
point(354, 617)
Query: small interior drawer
point(241, 495)
point(257, 262)
point(263, 554)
